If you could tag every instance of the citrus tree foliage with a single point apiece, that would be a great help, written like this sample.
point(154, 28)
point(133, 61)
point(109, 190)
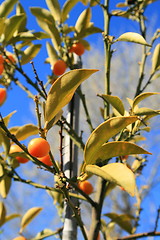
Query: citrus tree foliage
point(106, 151)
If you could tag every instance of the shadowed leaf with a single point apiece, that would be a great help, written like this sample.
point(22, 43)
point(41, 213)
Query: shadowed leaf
point(5, 184)
point(6, 7)
point(123, 220)
point(29, 53)
point(103, 133)
point(114, 149)
point(156, 58)
point(146, 111)
point(26, 131)
point(117, 173)
point(2, 213)
point(115, 102)
point(53, 57)
point(133, 37)
point(55, 9)
point(62, 90)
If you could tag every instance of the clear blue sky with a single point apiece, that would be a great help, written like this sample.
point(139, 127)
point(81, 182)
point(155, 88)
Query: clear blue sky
point(17, 99)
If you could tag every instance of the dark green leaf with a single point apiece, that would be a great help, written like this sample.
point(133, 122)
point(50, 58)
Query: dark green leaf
point(2, 213)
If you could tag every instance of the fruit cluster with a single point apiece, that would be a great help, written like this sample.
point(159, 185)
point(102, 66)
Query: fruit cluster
point(60, 65)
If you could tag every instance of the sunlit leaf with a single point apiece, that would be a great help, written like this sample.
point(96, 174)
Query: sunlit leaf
point(53, 57)
point(133, 37)
point(2, 213)
point(29, 53)
point(115, 102)
point(29, 216)
point(141, 97)
point(4, 141)
point(26, 131)
point(6, 7)
point(7, 118)
point(94, 2)
point(83, 20)
point(88, 31)
point(155, 76)
point(156, 58)
point(55, 9)
point(117, 173)
point(113, 149)
point(68, 5)
point(5, 185)
point(11, 216)
point(123, 220)
point(44, 234)
point(103, 133)
point(12, 25)
point(20, 10)
point(121, 4)
point(62, 90)
point(146, 111)
point(47, 23)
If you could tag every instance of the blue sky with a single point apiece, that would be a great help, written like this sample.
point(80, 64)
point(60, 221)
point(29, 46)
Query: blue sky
point(17, 99)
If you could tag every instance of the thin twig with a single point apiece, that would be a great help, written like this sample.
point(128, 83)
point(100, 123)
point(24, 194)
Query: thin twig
point(139, 235)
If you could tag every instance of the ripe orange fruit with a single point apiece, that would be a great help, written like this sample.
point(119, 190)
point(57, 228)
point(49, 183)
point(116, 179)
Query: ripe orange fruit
point(1, 59)
point(20, 238)
point(77, 48)
point(1, 68)
point(59, 67)
point(86, 187)
point(38, 147)
point(3, 95)
point(46, 160)
point(10, 59)
point(16, 148)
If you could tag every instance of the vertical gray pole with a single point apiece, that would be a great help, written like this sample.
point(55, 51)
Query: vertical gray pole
point(71, 163)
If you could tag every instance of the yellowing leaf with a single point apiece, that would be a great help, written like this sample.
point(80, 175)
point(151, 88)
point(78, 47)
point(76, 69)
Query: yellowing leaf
point(123, 220)
point(115, 102)
point(113, 149)
point(133, 37)
point(29, 216)
point(62, 90)
point(142, 96)
point(5, 185)
point(54, 8)
point(146, 111)
point(117, 173)
point(26, 131)
point(103, 133)
point(11, 216)
point(53, 57)
point(156, 58)
point(2, 25)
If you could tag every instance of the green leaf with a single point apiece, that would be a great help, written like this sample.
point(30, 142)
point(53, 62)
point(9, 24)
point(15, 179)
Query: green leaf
point(2, 25)
point(44, 234)
point(62, 91)
point(115, 102)
point(53, 57)
point(123, 220)
point(117, 173)
point(103, 133)
point(146, 111)
point(12, 26)
point(2, 213)
point(156, 59)
point(29, 53)
point(51, 123)
point(55, 9)
point(26, 131)
point(29, 216)
point(6, 7)
point(133, 37)
point(114, 149)
point(141, 97)
point(83, 21)
point(68, 5)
